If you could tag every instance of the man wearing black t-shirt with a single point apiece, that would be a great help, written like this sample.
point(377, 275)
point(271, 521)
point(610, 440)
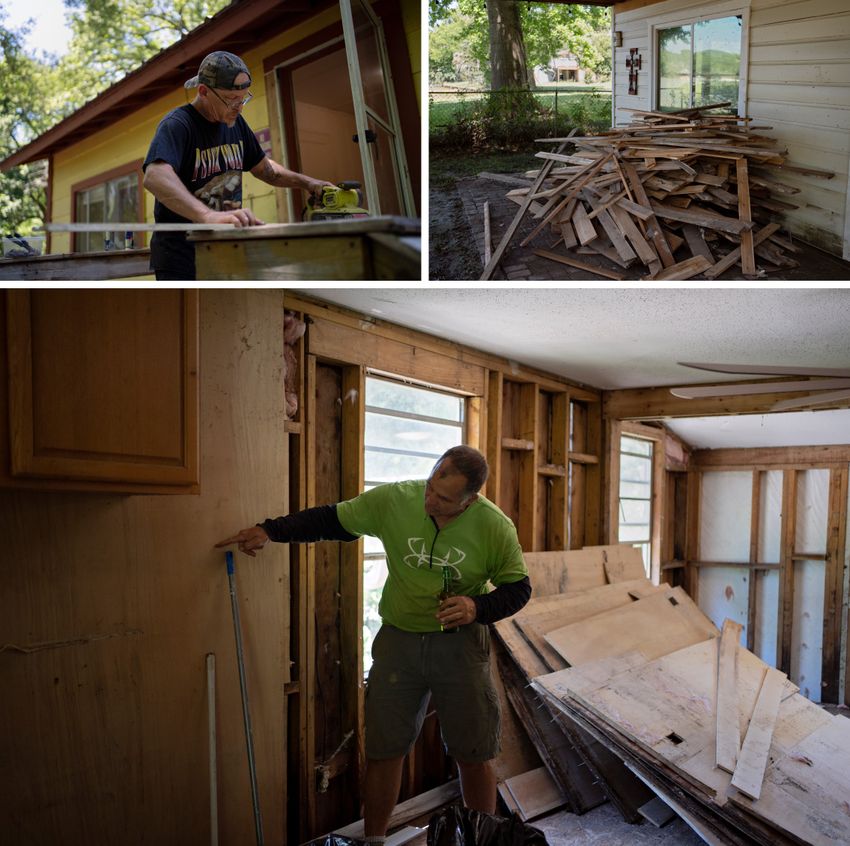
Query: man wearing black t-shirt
point(195, 162)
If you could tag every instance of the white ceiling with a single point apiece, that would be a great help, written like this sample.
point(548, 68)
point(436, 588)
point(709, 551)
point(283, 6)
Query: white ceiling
point(633, 338)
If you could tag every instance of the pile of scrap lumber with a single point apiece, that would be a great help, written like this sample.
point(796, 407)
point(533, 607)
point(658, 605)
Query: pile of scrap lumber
point(667, 197)
point(654, 702)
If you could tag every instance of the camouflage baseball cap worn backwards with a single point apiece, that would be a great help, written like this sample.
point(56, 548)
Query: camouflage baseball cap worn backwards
point(218, 70)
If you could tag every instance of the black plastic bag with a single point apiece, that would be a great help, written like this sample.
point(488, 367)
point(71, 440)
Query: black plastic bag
point(336, 840)
point(457, 826)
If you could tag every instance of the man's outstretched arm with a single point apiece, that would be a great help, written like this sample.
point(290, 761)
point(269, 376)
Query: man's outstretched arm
point(312, 524)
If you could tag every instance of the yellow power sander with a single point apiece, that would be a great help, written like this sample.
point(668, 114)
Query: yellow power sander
point(336, 203)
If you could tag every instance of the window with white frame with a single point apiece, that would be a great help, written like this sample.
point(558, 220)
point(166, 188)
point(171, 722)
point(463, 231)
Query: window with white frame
point(408, 427)
point(113, 200)
point(699, 64)
point(635, 505)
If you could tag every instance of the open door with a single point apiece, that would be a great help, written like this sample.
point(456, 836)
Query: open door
point(385, 175)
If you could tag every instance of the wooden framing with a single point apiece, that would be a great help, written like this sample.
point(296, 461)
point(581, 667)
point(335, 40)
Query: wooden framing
point(519, 417)
point(657, 403)
point(791, 461)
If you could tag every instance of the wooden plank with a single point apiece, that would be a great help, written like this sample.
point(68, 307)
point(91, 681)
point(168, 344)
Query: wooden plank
point(562, 571)
point(686, 269)
point(653, 227)
point(696, 242)
point(785, 617)
point(752, 761)
point(92, 267)
point(628, 227)
point(555, 749)
point(748, 260)
point(701, 218)
point(410, 809)
point(488, 242)
point(655, 625)
point(658, 812)
point(834, 582)
point(622, 562)
point(545, 614)
point(728, 733)
point(624, 251)
point(585, 230)
point(575, 187)
point(336, 342)
point(730, 259)
point(534, 793)
point(580, 265)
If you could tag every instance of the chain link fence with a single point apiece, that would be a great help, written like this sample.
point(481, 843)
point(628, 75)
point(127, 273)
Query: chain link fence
point(465, 115)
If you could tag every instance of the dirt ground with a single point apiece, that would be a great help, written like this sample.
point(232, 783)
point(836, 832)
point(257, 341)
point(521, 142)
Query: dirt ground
point(456, 243)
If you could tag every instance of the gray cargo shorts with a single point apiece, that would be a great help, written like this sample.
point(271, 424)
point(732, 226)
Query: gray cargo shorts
point(455, 669)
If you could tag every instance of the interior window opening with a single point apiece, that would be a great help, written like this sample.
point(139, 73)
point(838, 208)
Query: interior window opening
point(635, 496)
point(407, 428)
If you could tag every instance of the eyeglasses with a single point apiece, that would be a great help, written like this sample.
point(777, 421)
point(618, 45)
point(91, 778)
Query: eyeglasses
point(234, 104)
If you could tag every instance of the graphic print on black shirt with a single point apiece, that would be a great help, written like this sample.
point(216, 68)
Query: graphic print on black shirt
point(208, 158)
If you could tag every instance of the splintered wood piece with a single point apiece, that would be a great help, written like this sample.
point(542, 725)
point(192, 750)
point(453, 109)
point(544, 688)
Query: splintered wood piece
point(702, 218)
point(624, 251)
point(597, 271)
point(752, 761)
point(696, 242)
point(645, 252)
point(653, 227)
point(748, 259)
point(730, 259)
point(728, 743)
point(488, 241)
point(585, 230)
point(686, 269)
point(568, 234)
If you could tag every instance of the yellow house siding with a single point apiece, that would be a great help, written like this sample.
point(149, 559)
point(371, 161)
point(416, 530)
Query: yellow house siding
point(797, 71)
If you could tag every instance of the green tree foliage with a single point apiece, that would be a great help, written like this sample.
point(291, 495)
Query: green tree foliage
point(547, 28)
point(25, 112)
point(110, 38)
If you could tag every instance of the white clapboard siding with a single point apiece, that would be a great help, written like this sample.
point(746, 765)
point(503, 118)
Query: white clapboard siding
point(797, 71)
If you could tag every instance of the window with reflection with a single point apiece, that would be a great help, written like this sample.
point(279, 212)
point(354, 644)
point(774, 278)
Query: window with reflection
point(700, 64)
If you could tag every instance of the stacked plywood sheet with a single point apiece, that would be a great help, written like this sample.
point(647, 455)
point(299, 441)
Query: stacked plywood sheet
point(670, 196)
point(656, 702)
point(573, 758)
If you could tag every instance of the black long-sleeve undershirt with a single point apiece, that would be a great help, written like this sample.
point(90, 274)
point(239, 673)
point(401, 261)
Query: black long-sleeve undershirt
point(322, 524)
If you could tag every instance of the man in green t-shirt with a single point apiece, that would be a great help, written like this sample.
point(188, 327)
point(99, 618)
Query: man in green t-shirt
point(445, 546)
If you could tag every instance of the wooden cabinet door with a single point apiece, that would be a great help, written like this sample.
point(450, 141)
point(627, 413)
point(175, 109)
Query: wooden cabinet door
point(103, 385)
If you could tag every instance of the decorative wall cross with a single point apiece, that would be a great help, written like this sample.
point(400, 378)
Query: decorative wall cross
point(633, 63)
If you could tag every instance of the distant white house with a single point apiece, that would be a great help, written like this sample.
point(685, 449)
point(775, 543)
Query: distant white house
point(564, 67)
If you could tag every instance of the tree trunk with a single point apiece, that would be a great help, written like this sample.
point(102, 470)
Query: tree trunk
point(507, 48)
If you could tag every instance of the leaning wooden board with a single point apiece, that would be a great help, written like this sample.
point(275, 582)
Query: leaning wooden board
point(655, 625)
point(378, 248)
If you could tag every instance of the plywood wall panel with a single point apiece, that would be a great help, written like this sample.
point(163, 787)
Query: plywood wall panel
point(105, 734)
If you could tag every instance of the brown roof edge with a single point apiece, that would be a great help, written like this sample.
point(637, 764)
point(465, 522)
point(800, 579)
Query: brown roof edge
point(185, 52)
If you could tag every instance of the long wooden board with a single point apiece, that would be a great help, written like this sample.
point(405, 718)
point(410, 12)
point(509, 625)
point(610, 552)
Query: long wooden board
point(728, 728)
point(655, 625)
point(752, 761)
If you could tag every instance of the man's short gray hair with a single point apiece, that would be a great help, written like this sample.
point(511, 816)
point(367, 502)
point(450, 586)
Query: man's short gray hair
point(470, 463)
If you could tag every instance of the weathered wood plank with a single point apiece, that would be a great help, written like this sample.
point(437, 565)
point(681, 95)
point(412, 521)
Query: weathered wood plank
point(728, 732)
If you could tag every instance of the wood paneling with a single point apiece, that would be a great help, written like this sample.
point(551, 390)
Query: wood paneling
point(104, 724)
point(104, 385)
